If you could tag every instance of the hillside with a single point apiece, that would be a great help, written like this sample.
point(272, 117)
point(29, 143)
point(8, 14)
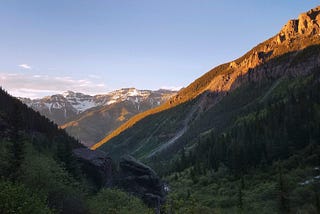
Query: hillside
point(243, 138)
point(89, 118)
point(293, 52)
point(37, 168)
point(40, 174)
point(266, 161)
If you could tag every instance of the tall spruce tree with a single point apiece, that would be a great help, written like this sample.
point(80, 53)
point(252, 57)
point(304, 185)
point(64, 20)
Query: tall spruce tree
point(16, 147)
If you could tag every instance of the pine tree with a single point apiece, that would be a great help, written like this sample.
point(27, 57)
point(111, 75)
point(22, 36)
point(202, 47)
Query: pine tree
point(16, 148)
point(240, 198)
point(284, 205)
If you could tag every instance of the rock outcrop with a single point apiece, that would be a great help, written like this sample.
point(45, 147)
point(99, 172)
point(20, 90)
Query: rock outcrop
point(133, 176)
point(96, 164)
point(306, 25)
point(140, 180)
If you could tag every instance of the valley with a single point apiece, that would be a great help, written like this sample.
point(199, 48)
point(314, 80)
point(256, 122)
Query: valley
point(243, 137)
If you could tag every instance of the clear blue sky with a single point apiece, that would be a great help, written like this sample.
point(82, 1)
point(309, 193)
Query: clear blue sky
point(95, 46)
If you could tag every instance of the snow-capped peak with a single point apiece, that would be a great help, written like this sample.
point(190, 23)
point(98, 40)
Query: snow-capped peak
point(73, 103)
point(68, 93)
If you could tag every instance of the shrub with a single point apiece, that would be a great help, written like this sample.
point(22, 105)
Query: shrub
point(15, 198)
point(117, 202)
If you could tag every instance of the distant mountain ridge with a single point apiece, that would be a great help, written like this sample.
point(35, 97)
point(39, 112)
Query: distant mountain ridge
point(86, 117)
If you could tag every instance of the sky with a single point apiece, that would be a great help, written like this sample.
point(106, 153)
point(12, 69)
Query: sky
point(96, 46)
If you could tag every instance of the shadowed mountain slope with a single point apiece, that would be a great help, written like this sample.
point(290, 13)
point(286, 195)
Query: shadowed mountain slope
point(292, 53)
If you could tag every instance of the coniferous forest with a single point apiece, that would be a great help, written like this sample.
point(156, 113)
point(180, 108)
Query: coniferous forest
point(39, 173)
point(266, 162)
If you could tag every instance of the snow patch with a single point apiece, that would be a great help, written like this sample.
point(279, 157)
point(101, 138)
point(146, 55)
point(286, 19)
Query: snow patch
point(78, 102)
point(83, 105)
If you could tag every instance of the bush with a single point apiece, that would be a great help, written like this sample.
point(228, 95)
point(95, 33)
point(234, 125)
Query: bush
point(15, 198)
point(45, 176)
point(116, 202)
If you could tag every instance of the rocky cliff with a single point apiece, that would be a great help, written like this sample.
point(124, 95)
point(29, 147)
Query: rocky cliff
point(133, 176)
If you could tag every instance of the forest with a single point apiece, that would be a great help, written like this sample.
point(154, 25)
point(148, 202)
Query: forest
point(39, 174)
point(267, 161)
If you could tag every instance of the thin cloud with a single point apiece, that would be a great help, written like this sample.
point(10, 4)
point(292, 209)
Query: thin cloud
point(25, 66)
point(172, 88)
point(36, 86)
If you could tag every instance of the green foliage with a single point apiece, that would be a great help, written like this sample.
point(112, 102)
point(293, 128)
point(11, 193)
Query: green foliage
point(117, 202)
point(38, 157)
point(46, 177)
point(4, 156)
point(275, 130)
point(266, 161)
point(257, 191)
point(185, 204)
point(16, 158)
point(29, 155)
point(16, 198)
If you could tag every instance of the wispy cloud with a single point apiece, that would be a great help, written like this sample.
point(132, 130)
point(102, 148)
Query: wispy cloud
point(173, 88)
point(36, 86)
point(25, 66)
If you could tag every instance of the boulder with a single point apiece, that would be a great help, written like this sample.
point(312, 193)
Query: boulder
point(140, 180)
point(96, 164)
point(133, 176)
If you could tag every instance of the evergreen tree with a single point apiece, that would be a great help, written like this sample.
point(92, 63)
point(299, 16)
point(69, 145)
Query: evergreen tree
point(284, 206)
point(16, 148)
point(240, 198)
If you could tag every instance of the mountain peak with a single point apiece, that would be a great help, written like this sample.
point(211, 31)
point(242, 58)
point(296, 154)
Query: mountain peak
point(68, 93)
point(307, 24)
point(73, 94)
point(59, 107)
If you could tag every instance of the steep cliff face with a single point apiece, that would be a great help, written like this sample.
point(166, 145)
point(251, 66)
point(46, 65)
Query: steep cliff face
point(306, 25)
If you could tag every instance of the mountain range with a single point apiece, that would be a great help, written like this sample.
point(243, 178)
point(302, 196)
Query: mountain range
point(242, 138)
point(200, 108)
point(88, 118)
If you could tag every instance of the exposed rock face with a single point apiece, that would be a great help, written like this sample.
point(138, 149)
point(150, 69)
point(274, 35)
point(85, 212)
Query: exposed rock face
point(262, 63)
point(97, 164)
point(133, 176)
point(306, 25)
point(140, 180)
